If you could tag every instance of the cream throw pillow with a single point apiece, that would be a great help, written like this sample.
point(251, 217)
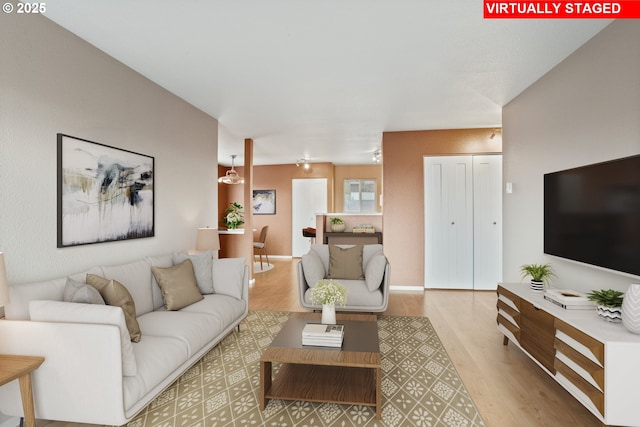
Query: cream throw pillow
point(178, 285)
point(345, 263)
point(114, 293)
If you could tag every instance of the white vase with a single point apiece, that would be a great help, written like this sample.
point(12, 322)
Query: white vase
point(328, 314)
point(631, 308)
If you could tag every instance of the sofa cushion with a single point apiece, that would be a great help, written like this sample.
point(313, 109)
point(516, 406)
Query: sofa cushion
point(81, 293)
point(374, 271)
point(195, 330)
point(226, 308)
point(136, 277)
point(202, 267)
point(358, 295)
point(178, 284)
point(368, 251)
point(227, 274)
point(313, 268)
point(158, 261)
point(345, 263)
point(58, 311)
point(114, 293)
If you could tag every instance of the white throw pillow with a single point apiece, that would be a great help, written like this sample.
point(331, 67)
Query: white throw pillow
point(313, 268)
point(202, 267)
point(81, 293)
point(69, 312)
point(374, 272)
point(228, 276)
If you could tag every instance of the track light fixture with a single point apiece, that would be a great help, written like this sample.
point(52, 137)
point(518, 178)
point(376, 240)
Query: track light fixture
point(377, 157)
point(304, 162)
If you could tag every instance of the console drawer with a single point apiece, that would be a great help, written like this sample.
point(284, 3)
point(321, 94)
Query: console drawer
point(593, 347)
point(537, 334)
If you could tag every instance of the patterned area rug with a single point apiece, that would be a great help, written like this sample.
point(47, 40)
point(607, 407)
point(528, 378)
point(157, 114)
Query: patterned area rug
point(420, 385)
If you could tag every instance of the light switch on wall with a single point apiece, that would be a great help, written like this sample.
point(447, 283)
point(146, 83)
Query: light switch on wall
point(509, 187)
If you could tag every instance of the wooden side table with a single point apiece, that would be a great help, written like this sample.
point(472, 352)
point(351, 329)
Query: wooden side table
point(20, 367)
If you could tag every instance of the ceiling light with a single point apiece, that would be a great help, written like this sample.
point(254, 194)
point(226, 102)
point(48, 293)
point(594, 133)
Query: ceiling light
point(231, 177)
point(304, 162)
point(377, 157)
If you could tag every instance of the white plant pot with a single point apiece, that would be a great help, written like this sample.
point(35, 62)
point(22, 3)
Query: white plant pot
point(338, 228)
point(537, 285)
point(328, 314)
point(613, 315)
point(631, 308)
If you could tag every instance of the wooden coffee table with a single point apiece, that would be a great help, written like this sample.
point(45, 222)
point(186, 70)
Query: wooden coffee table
point(350, 375)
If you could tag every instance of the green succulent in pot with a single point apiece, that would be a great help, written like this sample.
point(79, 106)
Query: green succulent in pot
point(607, 297)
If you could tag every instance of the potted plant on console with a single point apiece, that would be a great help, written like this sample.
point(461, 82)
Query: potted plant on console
point(540, 275)
point(608, 304)
point(337, 225)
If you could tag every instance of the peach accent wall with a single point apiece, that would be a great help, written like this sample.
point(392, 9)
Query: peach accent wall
point(359, 172)
point(403, 190)
point(273, 177)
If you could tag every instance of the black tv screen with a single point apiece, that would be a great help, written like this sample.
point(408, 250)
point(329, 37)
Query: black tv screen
point(592, 214)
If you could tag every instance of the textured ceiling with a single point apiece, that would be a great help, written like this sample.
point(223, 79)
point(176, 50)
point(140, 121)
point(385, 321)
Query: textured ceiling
point(324, 79)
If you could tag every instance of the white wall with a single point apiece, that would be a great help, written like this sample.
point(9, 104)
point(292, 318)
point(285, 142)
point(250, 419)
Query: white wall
point(586, 110)
point(50, 82)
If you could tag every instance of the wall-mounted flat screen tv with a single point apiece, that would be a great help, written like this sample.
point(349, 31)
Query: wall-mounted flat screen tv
point(592, 214)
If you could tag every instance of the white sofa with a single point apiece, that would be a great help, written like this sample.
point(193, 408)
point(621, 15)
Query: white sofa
point(92, 372)
point(367, 289)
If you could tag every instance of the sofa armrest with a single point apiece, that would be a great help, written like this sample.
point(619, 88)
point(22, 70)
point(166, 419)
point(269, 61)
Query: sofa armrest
point(80, 379)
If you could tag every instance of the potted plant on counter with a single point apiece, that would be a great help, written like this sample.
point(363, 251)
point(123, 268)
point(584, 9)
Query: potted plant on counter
point(234, 216)
point(540, 275)
point(608, 304)
point(337, 225)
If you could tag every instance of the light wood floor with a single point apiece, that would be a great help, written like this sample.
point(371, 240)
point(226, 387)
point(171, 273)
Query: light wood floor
point(509, 389)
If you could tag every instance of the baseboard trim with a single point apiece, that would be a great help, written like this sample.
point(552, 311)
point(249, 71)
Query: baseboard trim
point(406, 288)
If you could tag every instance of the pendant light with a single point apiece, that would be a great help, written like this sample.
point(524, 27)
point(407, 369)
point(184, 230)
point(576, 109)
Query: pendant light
point(231, 177)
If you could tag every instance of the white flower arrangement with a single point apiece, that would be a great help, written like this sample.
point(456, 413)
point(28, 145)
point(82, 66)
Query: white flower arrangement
point(329, 292)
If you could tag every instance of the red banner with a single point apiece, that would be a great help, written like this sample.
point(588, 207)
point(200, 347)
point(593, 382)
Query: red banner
point(494, 9)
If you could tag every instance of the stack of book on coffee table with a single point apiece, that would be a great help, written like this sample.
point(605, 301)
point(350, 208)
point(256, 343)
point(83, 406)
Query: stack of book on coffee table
point(317, 334)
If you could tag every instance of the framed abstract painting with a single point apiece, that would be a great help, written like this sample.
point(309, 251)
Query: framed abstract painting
point(104, 193)
point(264, 202)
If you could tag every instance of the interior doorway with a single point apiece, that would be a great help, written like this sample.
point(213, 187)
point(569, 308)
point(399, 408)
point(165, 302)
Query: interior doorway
point(308, 198)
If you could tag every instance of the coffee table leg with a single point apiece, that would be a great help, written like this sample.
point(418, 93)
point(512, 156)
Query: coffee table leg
point(265, 382)
point(378, 393)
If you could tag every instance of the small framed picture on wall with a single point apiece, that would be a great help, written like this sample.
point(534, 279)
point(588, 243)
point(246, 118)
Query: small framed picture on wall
point(264, 202)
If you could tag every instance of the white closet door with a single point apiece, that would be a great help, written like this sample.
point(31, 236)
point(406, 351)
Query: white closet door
point(487, 234)
point(448, 222)
point(308, 198)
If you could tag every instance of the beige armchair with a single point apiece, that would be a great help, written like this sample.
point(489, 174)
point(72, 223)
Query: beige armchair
point(367, 284)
